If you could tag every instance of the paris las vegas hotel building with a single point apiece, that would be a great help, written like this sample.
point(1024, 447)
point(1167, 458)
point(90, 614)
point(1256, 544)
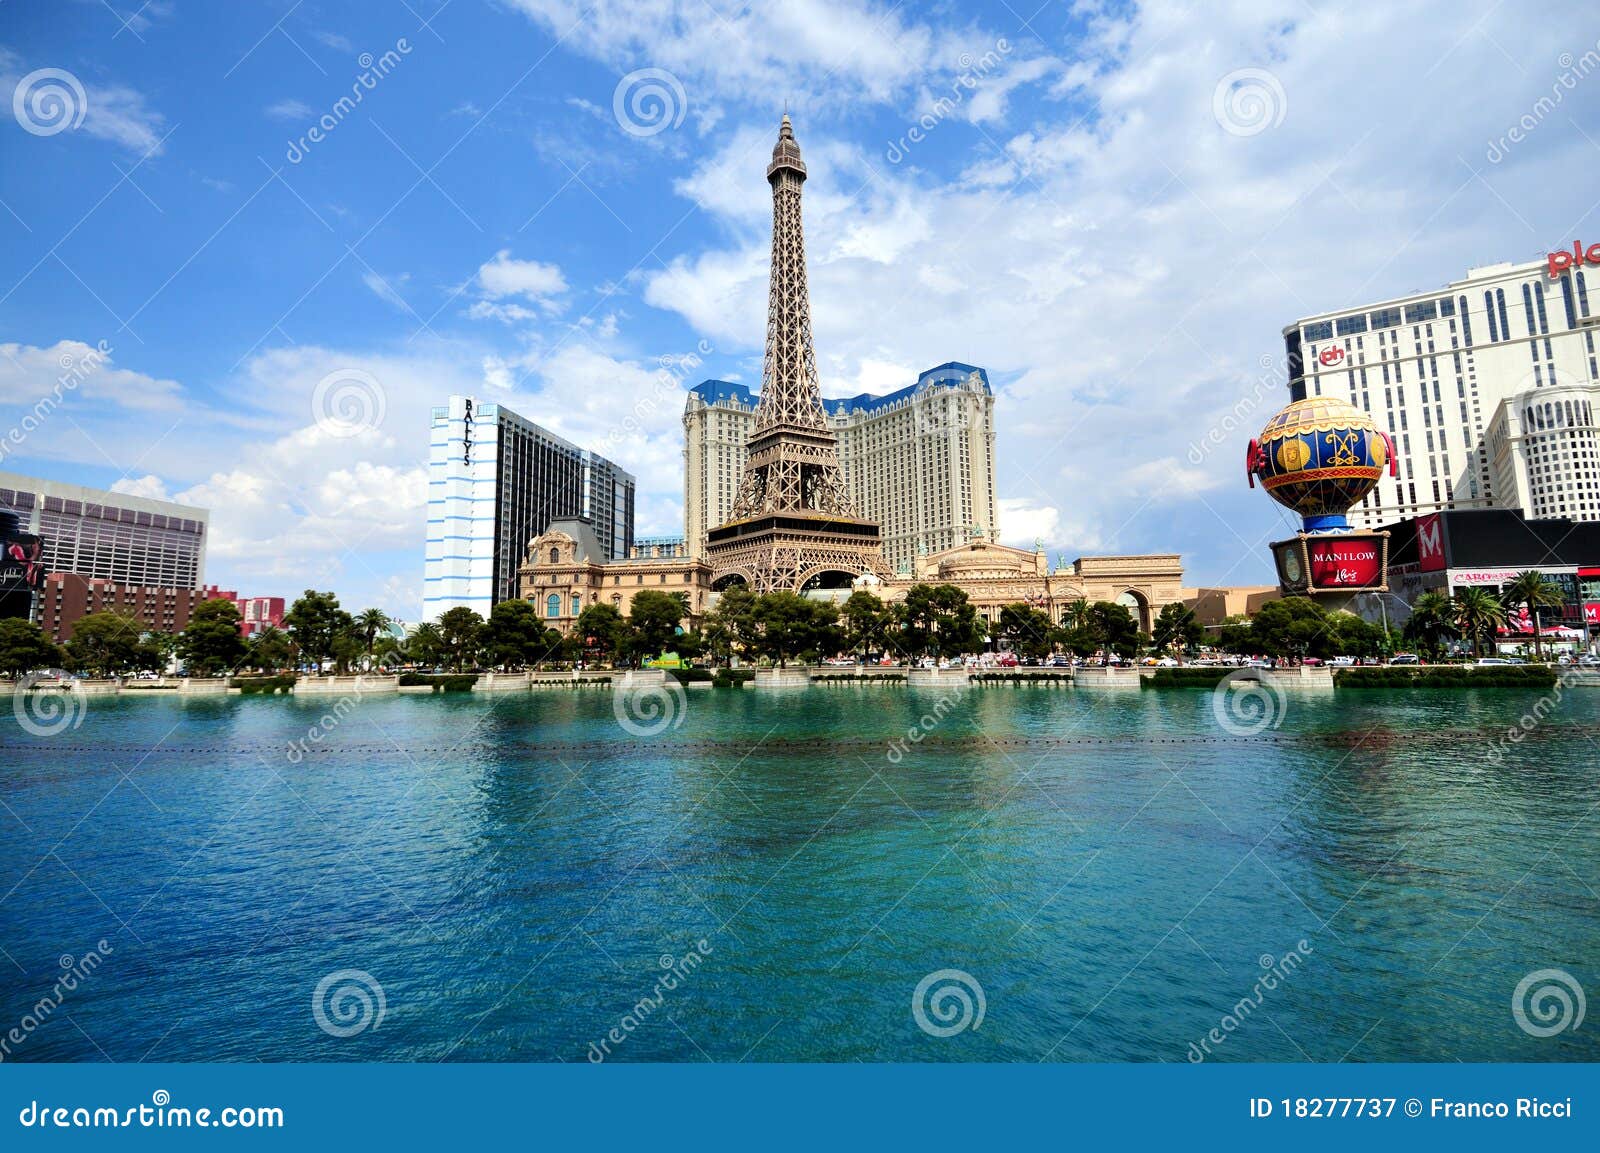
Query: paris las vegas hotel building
point(1488, 388)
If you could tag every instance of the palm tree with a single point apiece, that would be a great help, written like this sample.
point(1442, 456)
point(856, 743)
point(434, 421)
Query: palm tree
point(1478, 611)
point(369, 624)
point(1075, 613)
point(1531, 591)
point(1433, 617)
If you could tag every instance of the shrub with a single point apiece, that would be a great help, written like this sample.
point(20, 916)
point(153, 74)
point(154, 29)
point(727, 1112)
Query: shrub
point(1447, 677)
point(1185, 678)
point(250, 686)
point(731, 678)
point(690, 676)
point(442, 683)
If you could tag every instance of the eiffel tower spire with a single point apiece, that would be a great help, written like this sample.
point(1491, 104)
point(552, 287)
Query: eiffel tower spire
point(794, 459)
point(792, 471)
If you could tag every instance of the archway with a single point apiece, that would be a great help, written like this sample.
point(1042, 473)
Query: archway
point(1136, 604)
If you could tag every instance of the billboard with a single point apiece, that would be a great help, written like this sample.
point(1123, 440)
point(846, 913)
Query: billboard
point(21, 560)
point(1430, 543)
point(1328, 562)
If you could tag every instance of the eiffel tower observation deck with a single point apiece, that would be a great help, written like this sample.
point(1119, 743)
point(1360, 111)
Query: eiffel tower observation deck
point(793, 525)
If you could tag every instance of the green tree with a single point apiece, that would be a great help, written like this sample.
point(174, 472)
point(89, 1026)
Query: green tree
point(369, 623)
point(108, 642)
point(653, 619)
point(24, 647)
point(1177, 629)
point(1235, 635)
point(1292, 627)
point(270, 649)
point(867, 622)
point(602, 627)
point(1530, 590)
point(316, 620)
point(515, 636)
point(211, 643)
point(1027, 630)
point(731, 624)
point(1354, 636)
point(425, 646)
point(791, 624)
point(1112, 628)
point(1478, 612)
point(1432, 622)
point(1075, 613)
point(939, 619)
point(461, 630)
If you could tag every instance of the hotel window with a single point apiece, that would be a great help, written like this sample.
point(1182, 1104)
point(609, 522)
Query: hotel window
point(552, 605)
point(1350, 325)
point(1500, 305)
point(1494, 329)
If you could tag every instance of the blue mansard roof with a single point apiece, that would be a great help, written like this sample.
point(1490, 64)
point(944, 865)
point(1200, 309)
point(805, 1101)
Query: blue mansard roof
point(953, 372)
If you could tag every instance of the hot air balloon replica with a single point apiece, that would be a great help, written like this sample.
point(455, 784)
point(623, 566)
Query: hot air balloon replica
point(1318, 457)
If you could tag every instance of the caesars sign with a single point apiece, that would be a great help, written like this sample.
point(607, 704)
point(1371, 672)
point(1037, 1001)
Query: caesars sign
point(1346, 562)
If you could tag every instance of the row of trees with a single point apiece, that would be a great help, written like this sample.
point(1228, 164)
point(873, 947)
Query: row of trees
point(1300, 627)
point(1475, 615)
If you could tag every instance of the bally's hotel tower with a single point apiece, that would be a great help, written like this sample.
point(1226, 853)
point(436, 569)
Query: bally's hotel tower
point(1487, 386)
point(495, 481)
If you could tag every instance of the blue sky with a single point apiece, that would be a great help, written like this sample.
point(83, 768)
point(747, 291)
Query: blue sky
point(1114, 208)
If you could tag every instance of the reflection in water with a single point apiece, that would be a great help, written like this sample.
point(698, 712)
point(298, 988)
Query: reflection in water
point(1109, 868)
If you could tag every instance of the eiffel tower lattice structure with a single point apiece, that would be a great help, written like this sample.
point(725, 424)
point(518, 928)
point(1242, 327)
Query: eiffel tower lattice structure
point(793, 523)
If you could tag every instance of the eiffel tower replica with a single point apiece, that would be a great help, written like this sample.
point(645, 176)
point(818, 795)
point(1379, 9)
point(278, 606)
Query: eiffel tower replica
point(792, 522)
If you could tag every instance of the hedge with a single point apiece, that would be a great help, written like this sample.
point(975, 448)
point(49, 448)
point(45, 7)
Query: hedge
point(1446, 677)
point(251, 685)
point(1016, 678)
point(1186, 678)
point(689, 676)
point(856, 678)
point(446, 682)
point(731, 678)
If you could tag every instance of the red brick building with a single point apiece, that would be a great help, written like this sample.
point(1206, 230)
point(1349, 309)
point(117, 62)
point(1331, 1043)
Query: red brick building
point(66, 598)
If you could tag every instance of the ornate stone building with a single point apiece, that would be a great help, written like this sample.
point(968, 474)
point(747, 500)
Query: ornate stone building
point(564, 572)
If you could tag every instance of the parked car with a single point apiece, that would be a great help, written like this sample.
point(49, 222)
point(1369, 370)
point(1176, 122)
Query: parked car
point(1342, 662)
point(1167, 663)
point(1405, 659)
point(1006, 660)
point(1494, 661)
point(840, 662)
point(1589, 661)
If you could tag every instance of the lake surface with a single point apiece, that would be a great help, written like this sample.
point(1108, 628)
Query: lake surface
point(520, 874)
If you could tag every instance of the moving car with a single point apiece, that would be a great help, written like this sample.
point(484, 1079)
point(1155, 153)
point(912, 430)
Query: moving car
point(1405, 659)
point(1493, 661)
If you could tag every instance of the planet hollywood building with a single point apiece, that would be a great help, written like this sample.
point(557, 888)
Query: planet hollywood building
point(1488, 388)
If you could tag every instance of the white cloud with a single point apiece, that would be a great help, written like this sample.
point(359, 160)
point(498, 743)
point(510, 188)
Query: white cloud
point(507, 276)
point(290, 109)
point(387, 288)
point(151, 487)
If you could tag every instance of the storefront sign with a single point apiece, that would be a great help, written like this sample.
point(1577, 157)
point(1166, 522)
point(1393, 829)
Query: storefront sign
point(1561, 261)
point(1347, 563)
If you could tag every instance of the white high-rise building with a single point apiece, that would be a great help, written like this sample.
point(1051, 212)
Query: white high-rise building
point(918, 462)
point(1454, 375)
point(496, 481)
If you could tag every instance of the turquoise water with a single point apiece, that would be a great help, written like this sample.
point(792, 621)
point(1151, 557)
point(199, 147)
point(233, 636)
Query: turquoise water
point(1112, 870)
